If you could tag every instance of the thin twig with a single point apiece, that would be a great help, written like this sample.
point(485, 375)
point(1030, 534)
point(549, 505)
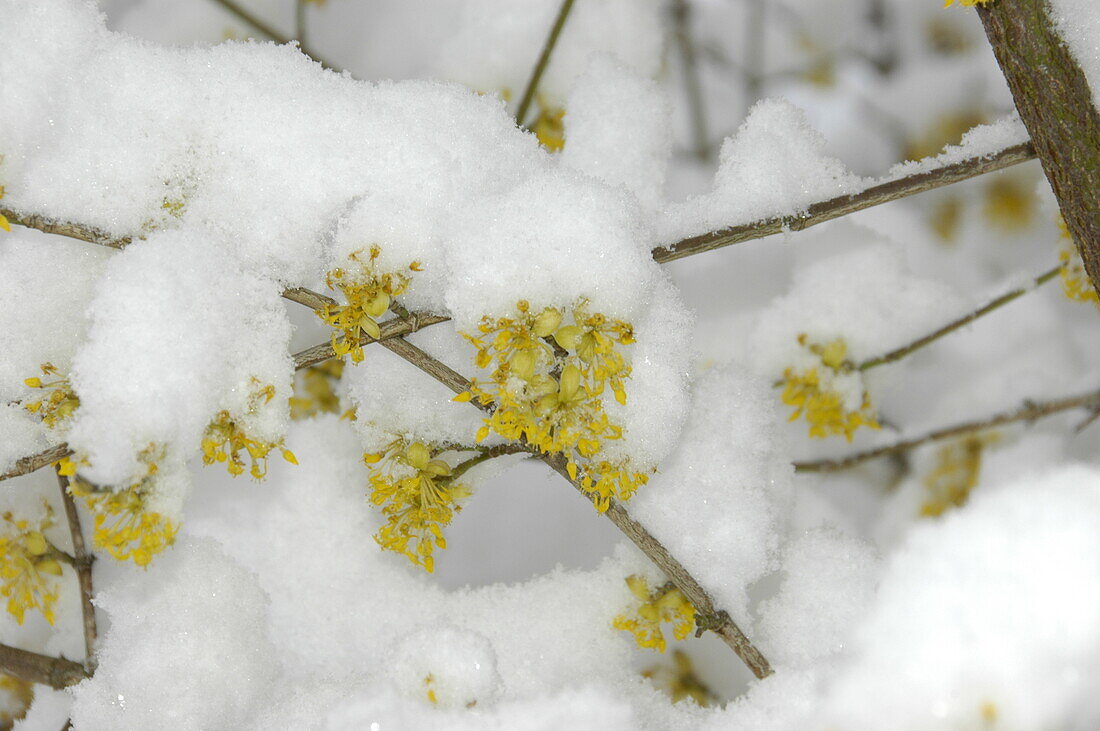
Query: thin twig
point(1030, 411)
point(300, 22)
point(56, 672)
point(393, 328)
point(754, 51)
point(30, 463)
point(843, 205)
point(963, 321)
point(815, 214)
point(249, 18)
point(709, 615)
point(543, 62)
point(681, 16)
point(82, 564)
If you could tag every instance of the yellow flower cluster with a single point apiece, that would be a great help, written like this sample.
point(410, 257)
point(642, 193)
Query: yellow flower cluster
point(124, 525)
point(225, 440)
point(418, 495)
point(1075, 280)
point(549, 127)
point(664, 604)
point(16, 696)
point(315, 390)
point(966, 3)
point(547, 388)
point(811, 392)
point(29, 566)
point(681, 680)
point(59, 402)
point(958, 467)
point(368, 293)
point(3, 219)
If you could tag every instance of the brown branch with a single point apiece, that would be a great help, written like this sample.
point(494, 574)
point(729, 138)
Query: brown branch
point(1030, 411)
point(712, 618)
point(265, 28)
point(33, 462)
point(82, 564)
point(392, 328)
point(543, 62)
point(843, 205)
point(65, 228)
point(56, 672)
point(963, 321)
point(1056, 105)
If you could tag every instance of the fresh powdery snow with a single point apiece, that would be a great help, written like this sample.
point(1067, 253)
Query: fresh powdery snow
point(218, 182)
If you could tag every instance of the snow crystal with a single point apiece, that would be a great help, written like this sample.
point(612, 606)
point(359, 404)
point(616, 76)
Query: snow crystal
point(865, 296)
point(989, 614)
point(1078, 23)
point(186, 647)
point(829, 580)
point(717, 503)
point(176, 337)
point(445, 666)
point(983, 140)
point(774, 166)
point(617, 128)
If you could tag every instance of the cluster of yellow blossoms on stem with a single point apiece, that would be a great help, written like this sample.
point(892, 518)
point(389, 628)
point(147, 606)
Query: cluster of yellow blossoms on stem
point(315, 390)
point(547, 387)
point(58, 403)
point(225, 440)
point(958, 468)
point(812, 392)
point(681, 680)
point(418, 494)
point(663, 604)
point(368, 293)
point(3, 219)
point(29, 566)
point(1075, 280)
point(125, 527)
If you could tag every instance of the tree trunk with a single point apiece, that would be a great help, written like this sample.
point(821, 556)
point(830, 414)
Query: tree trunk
point(1055, 103)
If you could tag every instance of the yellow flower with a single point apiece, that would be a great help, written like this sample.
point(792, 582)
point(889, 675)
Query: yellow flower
point(418, 494)
point(58, 402)
point(369, 293)
point(1075, 280)
point(664, 604)
point(549, 127)
point(812, 393)
point(29, 566)
point(315, 390)
point(16, 698)
point(546, 389)
point(124, 526)
point(3, 220)
point(681, 681)
point(225, 440)
point(958, 467)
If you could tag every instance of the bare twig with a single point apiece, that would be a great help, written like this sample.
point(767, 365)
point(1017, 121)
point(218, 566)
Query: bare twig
point(82, 564)
point(56, 672)
point(265, 28)
point(543, 62)
point(754, 50)
point(963, 321)
point(393, 328)
point(33, 462)
point(1030, 411)
point(710, 616)
point(845, 204)
point(307, 297)
point(815, 214)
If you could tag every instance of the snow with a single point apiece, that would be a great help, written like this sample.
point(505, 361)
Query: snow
point(1078, 23)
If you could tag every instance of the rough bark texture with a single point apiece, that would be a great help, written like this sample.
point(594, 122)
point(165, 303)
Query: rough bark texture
point(1055, 103)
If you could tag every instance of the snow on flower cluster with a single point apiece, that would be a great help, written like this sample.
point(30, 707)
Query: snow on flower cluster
point(175, 370)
